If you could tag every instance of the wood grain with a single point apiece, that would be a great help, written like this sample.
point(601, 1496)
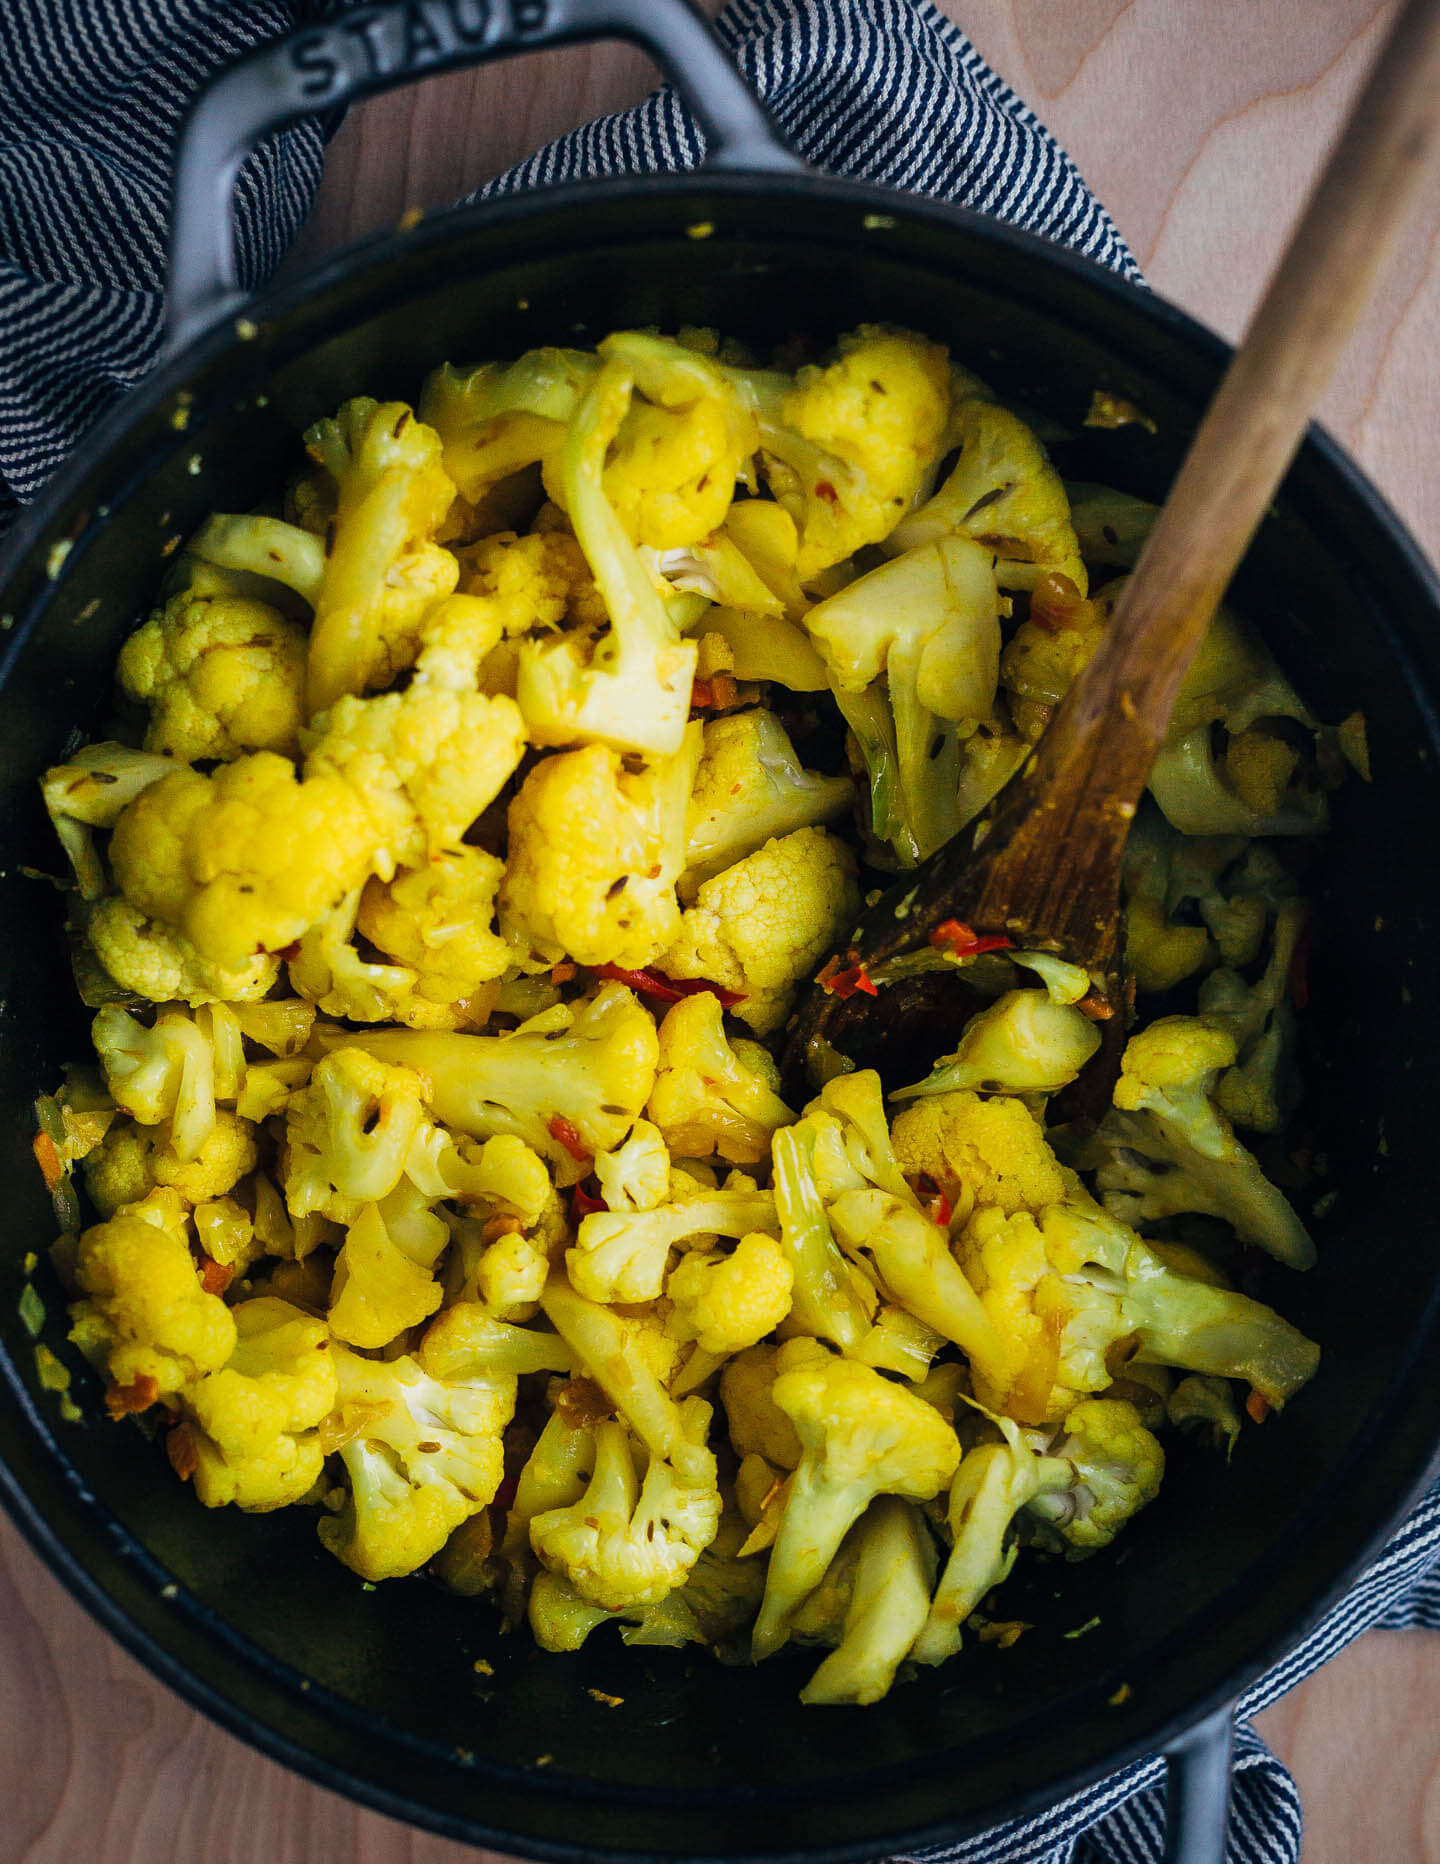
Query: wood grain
point(1200, 124)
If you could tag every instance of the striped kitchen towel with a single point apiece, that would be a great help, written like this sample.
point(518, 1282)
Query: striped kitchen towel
point(91, 94)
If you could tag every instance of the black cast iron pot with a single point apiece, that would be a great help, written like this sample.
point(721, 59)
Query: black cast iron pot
point(375, 1692)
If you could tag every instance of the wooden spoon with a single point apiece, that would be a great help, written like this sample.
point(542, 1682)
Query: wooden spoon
point(1042, 863)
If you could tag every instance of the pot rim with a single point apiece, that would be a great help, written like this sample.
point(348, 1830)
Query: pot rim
point(277, 302)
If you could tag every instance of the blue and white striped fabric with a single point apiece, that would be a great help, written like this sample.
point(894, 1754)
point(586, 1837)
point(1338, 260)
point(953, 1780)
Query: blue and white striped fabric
point(91, 93)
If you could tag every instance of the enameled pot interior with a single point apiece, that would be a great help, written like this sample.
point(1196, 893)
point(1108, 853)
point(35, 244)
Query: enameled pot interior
point(697, 1759)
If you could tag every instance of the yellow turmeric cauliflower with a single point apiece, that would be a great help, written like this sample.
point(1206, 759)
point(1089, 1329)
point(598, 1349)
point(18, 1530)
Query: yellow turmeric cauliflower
point(850, 443)
point(979, 1152)
point(762, 926)
point(220, 674)
point(424, 763)
point(145, 1318)
point(671, 469)
point(539, 581)
point(246, 860)
point(252, 1424)
point(380, 1290)
point(155, 961)
point(595, 851)
point(382, 569)
point(436, 920)
point(1005, 494)
point(730, 1302)
point(132, 1159)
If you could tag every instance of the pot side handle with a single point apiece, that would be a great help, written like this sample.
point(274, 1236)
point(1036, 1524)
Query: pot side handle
point(376, 48)
point(1197, 1790)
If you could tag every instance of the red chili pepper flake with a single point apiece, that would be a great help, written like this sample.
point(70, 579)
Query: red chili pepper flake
point(668, 989)
point(48, 1159)
point(287, 953)
point(701, 697)
point(824, 489)
point(844, 981)
point(583, 1202)
point(121, 1400)
point(181, 1450)
point(1257, 1408)
point(215, 1277)
point(567, 1134)
point(963, 941)
point(939, 1210)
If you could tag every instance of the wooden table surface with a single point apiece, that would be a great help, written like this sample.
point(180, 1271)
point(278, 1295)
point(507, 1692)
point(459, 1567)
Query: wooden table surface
point(1199, 124)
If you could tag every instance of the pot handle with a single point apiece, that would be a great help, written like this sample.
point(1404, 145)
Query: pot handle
point(1197, 1790)
point(375, 48)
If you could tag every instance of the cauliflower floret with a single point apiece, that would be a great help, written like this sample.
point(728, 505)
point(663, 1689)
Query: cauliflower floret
point(1074, 1294)
point(436, 921)
point(981, 1152)
point(425, 762)
point(751, 787)
point(252, 1425)
point(635, 1176)
point(511, 1277)
point(163, 1073)
point(730, 1302)
point(707, 1099)
point(349, 1132)
point(422, 1455)
point(244, 861)
point(913, 650)
point(606, 894)
point(629, 1541)
point(756, 1424)
point(629, 688)
point(1045, 654)
point(392, 493)
point(155, 961)
point(1023, 1043)
point(670, 473)
point(330, 971)
point(535, 582)
point(221, 675)
point(762, 925)
point(1169, 1148)
point(1005, 494)
point(862, 1435)
point(622, 1255)
point(380, 1290)
point(846, 447)
point(1115, 1468)
point(570, 1083)
point(132, 1159)
point(147, 1321)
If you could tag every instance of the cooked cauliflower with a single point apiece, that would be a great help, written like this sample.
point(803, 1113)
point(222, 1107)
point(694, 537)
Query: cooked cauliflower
point(762, 926)
point(424, 763)
point(421, 1455)
point(979, 1152)
point(155, 961)
point(730, 1302)
point(244, 861)
point(436, 921)
point(132, 1159)
point(252, 1424)
point(146, 1320)
point(605, 895)
point(221, 676)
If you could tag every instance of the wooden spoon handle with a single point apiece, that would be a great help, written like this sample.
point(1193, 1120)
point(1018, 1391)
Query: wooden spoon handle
point(1356, 213)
